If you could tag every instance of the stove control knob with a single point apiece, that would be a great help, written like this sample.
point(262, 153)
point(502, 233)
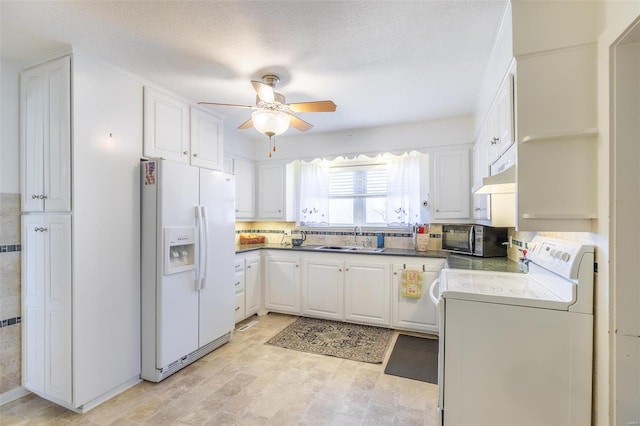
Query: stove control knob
point(558, 254)
point(552, 253)
point(566, 257)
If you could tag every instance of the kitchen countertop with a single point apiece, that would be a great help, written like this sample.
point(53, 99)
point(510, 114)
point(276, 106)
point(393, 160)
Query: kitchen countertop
point(455, 261)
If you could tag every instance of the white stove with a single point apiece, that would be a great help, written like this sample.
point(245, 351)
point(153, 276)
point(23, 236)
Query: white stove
point(516, 348)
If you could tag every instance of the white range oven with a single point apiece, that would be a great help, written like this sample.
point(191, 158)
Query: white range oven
point(516, 349)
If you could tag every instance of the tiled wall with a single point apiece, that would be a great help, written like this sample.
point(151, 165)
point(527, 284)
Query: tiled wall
point(10, 324)
point(274, 234)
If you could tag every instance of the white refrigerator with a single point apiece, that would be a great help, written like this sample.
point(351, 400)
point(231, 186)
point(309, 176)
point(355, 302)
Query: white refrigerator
point(188, 225)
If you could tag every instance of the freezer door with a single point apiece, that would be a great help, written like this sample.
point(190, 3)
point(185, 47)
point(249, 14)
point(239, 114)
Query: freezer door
point(217, 293)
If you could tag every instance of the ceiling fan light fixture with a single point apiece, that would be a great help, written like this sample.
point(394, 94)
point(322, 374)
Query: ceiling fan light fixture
point(270, 122)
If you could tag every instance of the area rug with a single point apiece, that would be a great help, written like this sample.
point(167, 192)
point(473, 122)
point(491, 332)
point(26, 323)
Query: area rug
point(350, 341)
point(414, 358)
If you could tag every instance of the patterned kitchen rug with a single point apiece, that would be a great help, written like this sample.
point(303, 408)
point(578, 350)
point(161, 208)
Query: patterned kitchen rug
point(350, 341)
point(414, 358)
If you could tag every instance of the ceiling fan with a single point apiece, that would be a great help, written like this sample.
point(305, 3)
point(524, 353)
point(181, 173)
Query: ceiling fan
point(272, 115)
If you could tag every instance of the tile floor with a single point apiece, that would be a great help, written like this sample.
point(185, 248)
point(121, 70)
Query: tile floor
point(246, 382)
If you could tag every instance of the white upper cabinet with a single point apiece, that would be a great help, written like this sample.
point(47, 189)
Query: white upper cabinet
point(245, 188)
point(175, 131)
point(45, 148)
point(271, 191)
point(206, 140)
point(451, 185)
point(500, 121)
point(166, 126)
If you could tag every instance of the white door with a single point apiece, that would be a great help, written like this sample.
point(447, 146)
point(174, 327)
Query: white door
point(282, 284)
point(166, 127)
point(177, 298)
point(46, 277)
point(245, 188)
point(206, 140)
point(419, 314)
point(271, 190)
point(253, 284)
point(217, 297)
point(46, 137)
point(452, 186)
point(367, 288)
point(323, 288)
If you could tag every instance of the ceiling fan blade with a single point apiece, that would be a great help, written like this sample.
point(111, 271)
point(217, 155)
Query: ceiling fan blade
point(247, 124)
point(227, 105)
point(300, 124)
point(264, 91)
point(318, 106)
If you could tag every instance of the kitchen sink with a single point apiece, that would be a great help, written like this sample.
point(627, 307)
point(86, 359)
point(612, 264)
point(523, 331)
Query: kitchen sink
point(351, 249)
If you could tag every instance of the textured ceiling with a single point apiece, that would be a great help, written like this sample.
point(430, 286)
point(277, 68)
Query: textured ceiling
point(381, 62)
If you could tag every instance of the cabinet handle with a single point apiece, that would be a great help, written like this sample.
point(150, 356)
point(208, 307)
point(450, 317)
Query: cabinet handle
point(40, 229)
point(279, 211)
point(437, 210)
point(346, 269)
point(339, 270)
point(477, 209)
point(238, 283)
point(237, 308)
point(41, 197)
point(185, 152)
point(495, 140)
point(297, 266)
point(195, 154)
point(248, 266)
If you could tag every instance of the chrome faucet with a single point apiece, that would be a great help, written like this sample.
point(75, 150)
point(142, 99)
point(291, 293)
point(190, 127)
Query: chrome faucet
point(355, 234)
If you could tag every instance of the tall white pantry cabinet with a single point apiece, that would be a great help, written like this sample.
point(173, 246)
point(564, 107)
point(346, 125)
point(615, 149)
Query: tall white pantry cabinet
point(81, 141)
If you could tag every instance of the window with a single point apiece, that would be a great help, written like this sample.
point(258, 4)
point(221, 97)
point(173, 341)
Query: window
point(384, 191)
point(358, 195)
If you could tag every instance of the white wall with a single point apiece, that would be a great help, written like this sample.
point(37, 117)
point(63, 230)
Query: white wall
point(419, 136)
point(9, 126)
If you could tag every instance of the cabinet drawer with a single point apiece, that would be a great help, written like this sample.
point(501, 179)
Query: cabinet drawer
point(239, 313)
point(239, 281)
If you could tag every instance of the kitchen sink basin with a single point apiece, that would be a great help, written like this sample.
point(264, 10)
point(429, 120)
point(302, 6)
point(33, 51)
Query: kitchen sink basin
point(351, 249)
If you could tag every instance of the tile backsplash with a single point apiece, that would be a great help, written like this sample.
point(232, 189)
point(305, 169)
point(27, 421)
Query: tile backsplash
point(10, 309)
point(274, 234)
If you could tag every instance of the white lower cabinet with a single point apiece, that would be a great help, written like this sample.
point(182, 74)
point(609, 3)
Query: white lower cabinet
point(323, 288)
point(366, 295)
point(416, 314)
point(46, 297)
point(365, 289)
point(248, 283)
point(282, 283)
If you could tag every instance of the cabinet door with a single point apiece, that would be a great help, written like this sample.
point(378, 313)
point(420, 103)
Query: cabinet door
point(323, 289)
point(282, 286)
point(481, 202)
point(252, 285)
point(245, 189)
point(45, 146)
point(46, 295)
point(367, 288)
point(271, 190)
point(166, 127)
point(451, 186)
point(505, 115)
point(206, 140)
point(414, 314)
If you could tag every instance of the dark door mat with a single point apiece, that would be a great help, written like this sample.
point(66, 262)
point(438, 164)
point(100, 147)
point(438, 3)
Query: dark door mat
point(414, 358)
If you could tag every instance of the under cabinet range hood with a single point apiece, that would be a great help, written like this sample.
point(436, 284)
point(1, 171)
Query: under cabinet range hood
point(501, 183)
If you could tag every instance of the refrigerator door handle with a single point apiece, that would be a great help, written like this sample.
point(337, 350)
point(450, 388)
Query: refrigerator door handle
point(205, 244)
point(200, 238)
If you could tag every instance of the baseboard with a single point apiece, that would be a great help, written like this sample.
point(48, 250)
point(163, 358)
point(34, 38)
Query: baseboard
point(108, 395)
point(13, 394)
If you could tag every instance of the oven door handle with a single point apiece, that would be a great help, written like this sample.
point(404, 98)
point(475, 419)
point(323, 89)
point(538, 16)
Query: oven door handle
point(432, 287)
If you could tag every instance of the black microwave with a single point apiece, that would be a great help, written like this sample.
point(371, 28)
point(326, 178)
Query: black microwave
point(476, 240)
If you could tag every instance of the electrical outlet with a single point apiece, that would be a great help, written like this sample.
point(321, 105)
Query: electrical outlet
point(287, 232)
